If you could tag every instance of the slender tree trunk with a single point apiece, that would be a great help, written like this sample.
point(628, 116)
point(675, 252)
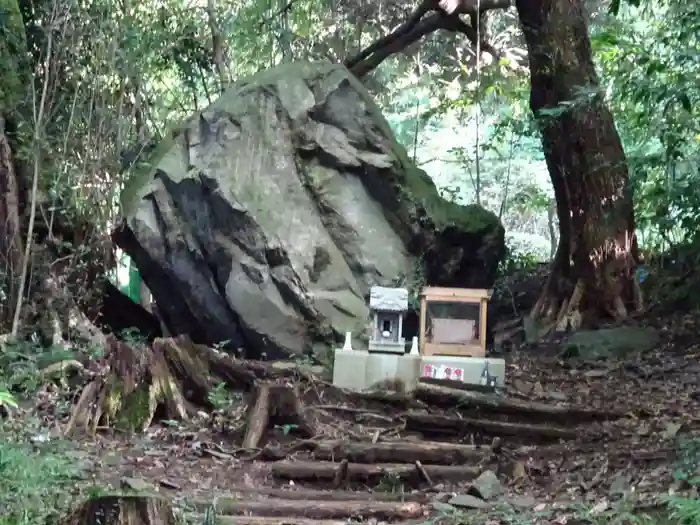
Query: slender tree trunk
point(593, 272)
point(13, 83)
point(218, 46)
point(10, 236)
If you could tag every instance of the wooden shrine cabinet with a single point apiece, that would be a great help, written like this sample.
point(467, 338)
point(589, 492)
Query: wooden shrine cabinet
point(453, 321)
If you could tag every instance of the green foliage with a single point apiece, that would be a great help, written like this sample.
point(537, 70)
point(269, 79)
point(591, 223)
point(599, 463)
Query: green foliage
point(684, 510)
point(650, 63)
point(515, 261)
point(13, 49)
point(219, 396)
point(7, 399)
point(36, 484)
point(22, 363)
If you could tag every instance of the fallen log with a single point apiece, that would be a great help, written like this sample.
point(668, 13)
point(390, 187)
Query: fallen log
point(400, 452)
point(262, 520)
point(327, 471)
point(122, 510)
point(322, 509)
point(428, 424)
point(467, 401)
point(441, 396)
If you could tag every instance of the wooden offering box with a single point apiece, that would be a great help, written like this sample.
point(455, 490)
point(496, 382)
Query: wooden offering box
point(453, 322)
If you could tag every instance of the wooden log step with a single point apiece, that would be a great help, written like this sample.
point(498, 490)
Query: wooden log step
point(428, 424)
point(441, 396)
point(326, 470)
point(427, 452)
point(444, 397)
point(304, 494)
point(320, 509)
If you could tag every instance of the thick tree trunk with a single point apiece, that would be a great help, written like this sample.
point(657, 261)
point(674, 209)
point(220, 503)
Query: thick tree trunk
point(593, 273)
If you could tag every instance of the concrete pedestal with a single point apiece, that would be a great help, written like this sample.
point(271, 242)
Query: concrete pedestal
point(392, 367)
point(350, 369)
point(359, 370)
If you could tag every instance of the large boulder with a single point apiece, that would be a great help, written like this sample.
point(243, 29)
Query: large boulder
point(265, 219)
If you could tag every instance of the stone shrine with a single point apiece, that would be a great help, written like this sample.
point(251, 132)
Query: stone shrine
point(388, 307)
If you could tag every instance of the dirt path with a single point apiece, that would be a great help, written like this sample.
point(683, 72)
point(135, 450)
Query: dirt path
point(382, 461)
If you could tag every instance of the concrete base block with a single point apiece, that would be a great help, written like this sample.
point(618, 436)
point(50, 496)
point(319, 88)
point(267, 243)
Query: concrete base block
point(392, 367)
point(350, 369)
point(359, 370)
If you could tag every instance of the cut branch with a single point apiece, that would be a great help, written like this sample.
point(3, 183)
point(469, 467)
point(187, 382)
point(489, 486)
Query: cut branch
point(276, 404)
point(258, 417)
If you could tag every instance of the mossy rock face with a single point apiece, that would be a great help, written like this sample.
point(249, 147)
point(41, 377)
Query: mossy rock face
point(458, 245)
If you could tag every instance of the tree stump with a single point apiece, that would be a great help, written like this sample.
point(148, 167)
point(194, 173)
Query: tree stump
point(122, 510)
point(172, 376)
point(137, 382)
point(275, 404)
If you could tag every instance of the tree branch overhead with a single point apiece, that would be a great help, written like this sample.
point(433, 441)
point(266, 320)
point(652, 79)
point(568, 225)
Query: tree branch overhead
point(445, 14)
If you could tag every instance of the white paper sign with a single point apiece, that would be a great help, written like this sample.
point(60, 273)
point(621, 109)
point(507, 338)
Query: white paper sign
point(443, 372)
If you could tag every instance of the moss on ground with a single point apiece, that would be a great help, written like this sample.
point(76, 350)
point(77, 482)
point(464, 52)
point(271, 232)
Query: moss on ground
point(37, 480)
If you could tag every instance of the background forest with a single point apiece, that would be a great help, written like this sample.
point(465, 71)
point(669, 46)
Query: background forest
point(117, 77)
point(111, 80)
point(107, 81)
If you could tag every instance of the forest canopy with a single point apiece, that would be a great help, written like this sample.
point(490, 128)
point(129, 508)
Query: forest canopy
point(103, 83)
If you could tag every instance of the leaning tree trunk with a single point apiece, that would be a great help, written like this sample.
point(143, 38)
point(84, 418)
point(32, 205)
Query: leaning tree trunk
point(593, 272)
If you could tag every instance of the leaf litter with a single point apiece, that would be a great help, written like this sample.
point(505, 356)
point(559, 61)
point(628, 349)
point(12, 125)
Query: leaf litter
point(634, 458)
